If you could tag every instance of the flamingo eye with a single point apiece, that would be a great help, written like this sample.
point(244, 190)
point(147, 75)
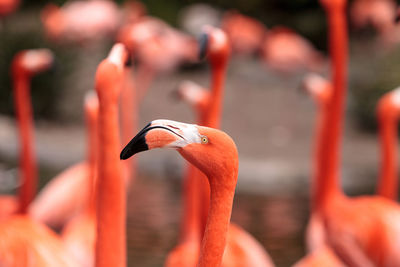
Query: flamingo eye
point(204, 139)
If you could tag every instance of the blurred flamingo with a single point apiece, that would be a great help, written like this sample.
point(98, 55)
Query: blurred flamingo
point(214, 153)
point(245, 33)
point(388, 111)
point(81, 21)
point(25, 65)
point(362, 231)
point(241, 249)
point(320, 90)
point(8, 6)
point(79, 234)
point(111, 193)
point(379, 14)
point(285, 51)
point(158, 48)
point(24, 242)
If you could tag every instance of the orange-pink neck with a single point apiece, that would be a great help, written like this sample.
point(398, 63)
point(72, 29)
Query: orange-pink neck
point(27, 159)
point(222, 192)
point(111, 202)
point(129, 117)
point(328, 181)
point(388, 183)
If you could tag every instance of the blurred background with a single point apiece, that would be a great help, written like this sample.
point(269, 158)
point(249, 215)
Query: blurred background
point(264, 111)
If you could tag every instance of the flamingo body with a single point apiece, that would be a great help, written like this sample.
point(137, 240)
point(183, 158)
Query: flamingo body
point(8, 205)
point(60, 200)
point(245, 33)
point(79, 237)
point(24, 242)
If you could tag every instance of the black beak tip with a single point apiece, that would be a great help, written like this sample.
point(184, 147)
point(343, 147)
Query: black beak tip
point(124, 154)
point(397, 18)
point(136, 145)
point(203, 43)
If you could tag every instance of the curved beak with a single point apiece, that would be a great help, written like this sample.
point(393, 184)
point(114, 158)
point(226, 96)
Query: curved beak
point(203, 44)
point(161, 134)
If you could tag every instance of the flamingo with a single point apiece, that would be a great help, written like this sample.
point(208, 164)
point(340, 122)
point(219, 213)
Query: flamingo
point(285, 51)
point(388, 114)
point(23, 241)
point(363, 231)
point(215, 154)
point(81, 21)
point(241, 249)
point(25, 64)
point(79, 234)
point(8, 7)
point(380, 14)
point(157, 46)
point(245, 33)
point(111, 193)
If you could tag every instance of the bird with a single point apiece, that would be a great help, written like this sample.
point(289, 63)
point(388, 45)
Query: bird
point(241, 249)
point(320, 89)
point(81, 21)
point(286, 52)
point(79, 234)
point(380, 14)
point(25, 242)
point(157, 47)
point(365, 230)
point(387, 112)
point(245, 33)
point(110, 247)
point(214, 153)
point(25, 65)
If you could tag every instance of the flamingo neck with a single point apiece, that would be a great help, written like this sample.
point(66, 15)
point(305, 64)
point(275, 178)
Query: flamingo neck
point(27, 162)
point(221, 200)
point(217, 94)
point(92, 139)
point(328, 183)
point(213, 120)
point(111, 202)
point(319, 152)
point(387, 184)
point(129, 111)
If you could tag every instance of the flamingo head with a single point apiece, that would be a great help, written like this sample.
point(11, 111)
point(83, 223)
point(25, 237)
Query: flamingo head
point(110, 73)
point(207, 148)
point(318, 87)
point(193, 94)
point(214, 44)
point(389, 104)
point(31, 62)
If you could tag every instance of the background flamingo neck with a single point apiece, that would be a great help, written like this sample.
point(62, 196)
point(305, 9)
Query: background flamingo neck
point(27, 163)
point(217, 94)
point(129, 111)
point(332, 132)
point(111, 203)
point(92, 137)
point(192, 202)
point(388, 184)
point(221, 200)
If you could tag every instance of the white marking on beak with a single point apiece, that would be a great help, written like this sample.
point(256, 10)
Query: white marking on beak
point(189, 134)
